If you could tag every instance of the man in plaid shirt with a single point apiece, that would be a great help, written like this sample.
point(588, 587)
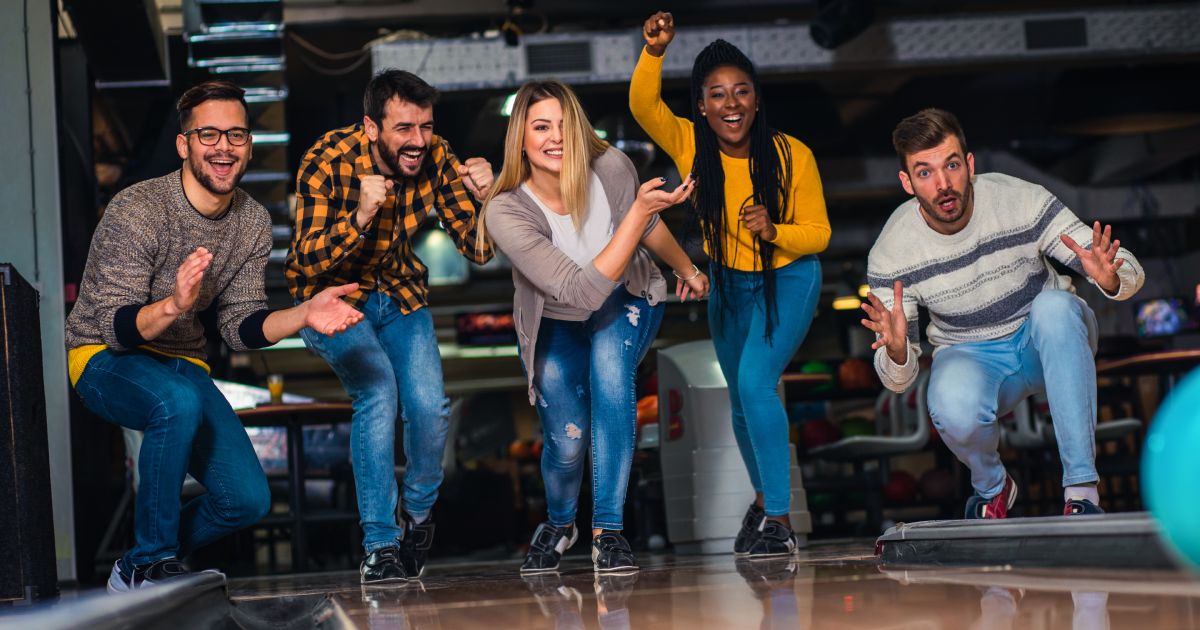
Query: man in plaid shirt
point(361, 193)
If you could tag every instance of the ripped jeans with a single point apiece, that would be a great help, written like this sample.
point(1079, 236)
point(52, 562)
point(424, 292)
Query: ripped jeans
point(585, 379)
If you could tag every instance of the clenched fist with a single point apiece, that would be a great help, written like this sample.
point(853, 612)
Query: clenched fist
point(476, 174)
point(658, 31)
point(372, 193)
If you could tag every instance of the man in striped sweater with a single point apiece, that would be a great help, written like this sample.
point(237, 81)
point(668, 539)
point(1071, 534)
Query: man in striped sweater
point(974, 250)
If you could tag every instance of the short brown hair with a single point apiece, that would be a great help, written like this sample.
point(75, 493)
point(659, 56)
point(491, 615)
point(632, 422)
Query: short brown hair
point(925, 130)
point(208, 91)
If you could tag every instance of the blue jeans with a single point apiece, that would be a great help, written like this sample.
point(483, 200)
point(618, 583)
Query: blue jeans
point(585, 380)
point(389, 365)
point(752, 366)
point(971, 384)
point(188, 427)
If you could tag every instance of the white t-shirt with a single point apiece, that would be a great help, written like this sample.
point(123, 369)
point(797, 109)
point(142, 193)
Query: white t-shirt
point(593, 235)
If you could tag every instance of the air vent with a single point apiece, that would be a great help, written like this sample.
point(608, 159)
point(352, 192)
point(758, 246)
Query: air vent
point(1060, 33)
point(559, 58)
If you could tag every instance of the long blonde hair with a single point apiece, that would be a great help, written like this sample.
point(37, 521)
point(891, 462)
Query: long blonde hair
point(581, 145)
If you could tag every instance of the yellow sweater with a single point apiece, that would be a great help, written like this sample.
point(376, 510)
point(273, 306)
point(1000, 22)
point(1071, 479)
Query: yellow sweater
point(806, 228)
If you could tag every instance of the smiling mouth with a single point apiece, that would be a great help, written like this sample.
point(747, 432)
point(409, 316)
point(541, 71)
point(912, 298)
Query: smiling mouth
point(410, 157)
point(553, 153)
point(223, 167)
point(734, 120)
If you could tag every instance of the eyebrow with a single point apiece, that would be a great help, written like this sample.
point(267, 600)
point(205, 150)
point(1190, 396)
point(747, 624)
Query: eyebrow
point(948, 158)
point(545, 120)
point(718, 85)
point(405, 123)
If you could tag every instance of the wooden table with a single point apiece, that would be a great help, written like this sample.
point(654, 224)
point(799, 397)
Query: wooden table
point(294, 417)
point(1163, 364)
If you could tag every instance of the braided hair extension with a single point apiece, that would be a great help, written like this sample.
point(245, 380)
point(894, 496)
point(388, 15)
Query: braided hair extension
point(770, 175)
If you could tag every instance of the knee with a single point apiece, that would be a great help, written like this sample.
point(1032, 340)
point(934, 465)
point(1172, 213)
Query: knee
point(754, 389)
point(1054, 309)
point(181, 410)
point(249, 504)
point(566, 446)
point(957, 413)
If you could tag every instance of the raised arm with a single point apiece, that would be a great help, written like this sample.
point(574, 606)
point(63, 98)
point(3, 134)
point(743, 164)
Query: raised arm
point(327, 231)
point(668, 131)
point(455, 205)
point(893, 318)
point(1092, 253)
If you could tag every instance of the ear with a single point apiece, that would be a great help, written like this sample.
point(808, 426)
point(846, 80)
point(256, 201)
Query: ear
point(700, 106)
point(371, 128)
point(181, 146)
point(971, 165)
point(906, 182)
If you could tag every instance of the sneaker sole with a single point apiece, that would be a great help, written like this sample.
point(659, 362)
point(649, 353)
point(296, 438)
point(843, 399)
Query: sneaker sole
point(414, 578)
point(396, 580)
point(616, 570)
point(553, 569)
point(768, 556)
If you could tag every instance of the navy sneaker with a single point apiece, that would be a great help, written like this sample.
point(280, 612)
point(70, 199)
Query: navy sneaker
point(547, 547)
point(611, 554)
point(774, 539)
point(123, 580)
point(749, 531)
point(414, 546)
point(995, 507)
point(382, 566)
point(1078, 505)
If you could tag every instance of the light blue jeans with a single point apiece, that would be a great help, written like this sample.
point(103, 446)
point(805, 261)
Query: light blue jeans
point(188, 427)
point(972, 384)
point(585, 379)
point(390, 365)
point(752, 367)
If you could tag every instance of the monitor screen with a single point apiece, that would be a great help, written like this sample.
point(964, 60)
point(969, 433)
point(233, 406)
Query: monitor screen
point(1162, 317)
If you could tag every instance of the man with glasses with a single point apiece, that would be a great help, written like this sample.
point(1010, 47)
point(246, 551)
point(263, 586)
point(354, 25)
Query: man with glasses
point(165, 250)
point(362, 193)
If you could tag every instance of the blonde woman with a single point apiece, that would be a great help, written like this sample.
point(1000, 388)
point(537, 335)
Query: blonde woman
point(568, 212)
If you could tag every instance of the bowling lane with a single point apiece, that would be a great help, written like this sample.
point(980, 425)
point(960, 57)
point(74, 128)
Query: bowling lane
point(837, 585)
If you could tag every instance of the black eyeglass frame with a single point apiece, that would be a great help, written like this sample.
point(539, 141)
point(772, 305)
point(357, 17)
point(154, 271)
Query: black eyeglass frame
point(220, 132)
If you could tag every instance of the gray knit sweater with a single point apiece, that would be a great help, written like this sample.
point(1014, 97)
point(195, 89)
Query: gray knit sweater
point(145, 234)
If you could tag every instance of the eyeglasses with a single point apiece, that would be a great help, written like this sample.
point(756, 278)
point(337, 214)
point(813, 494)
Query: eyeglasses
point(210, 136)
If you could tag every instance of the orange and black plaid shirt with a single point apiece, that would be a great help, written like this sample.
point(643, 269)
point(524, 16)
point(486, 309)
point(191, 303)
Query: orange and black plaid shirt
point(329, 249)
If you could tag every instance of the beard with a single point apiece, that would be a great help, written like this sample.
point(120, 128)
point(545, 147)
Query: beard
point(197, 163)
point(392, 159)
point(934, 211)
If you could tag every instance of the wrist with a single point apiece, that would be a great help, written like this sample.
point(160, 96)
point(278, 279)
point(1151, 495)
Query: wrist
point(170, 309)
point(899, 356)
point(656, 50)
point(690, 273)
point(1111, 284)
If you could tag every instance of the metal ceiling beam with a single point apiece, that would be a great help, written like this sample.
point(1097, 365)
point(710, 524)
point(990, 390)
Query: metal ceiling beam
point(1108, 34)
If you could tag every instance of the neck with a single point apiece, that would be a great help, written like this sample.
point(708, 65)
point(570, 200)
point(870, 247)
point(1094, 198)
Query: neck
point(202, 199)
point(546, 185)
point(741, 150)
point(383, 167)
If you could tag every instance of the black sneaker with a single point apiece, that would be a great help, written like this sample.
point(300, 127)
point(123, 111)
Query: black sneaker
point(749, 531)
point(122, 580)
point(611, 554)
point(414, 546)
point(1079, 505)
point(774, 539)
point(547, 547)
point(382, 566)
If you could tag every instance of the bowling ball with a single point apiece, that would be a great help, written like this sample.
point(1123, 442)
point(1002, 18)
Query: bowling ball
point(1170, 469)
point(856, 374)
point(647, 409)
point(900, 488)
point(937, 484)
point(816, 433)
point(818, 367)
point(520, 450)
point(857, 425)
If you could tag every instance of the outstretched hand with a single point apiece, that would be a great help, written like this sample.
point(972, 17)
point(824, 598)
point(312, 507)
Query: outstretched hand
point(694, 287)
point(188, 279)
point(328, 314)
point(891, 325)
point(1100, 262)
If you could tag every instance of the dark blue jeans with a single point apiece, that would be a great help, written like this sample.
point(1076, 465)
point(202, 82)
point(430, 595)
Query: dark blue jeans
point(585, 379)
point(752, 366)
point(390, 365)
point(188, 427)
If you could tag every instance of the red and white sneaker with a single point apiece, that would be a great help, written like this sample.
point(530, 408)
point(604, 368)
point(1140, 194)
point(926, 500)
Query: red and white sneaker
point(995, 507)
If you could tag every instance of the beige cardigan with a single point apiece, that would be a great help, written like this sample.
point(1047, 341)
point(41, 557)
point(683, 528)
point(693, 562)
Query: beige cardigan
point(519, 229)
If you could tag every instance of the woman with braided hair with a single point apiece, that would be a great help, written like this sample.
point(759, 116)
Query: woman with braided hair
point(759, 205)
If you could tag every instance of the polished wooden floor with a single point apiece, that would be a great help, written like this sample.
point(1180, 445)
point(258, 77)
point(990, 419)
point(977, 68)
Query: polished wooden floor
point(836, 585)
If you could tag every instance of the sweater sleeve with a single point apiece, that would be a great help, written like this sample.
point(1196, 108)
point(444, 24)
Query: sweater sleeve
point(806, 229)
point(242, 305)
point(120, 269)
point(672, 133)
point(894, 376)
point(1063, 221)
point(534, 255)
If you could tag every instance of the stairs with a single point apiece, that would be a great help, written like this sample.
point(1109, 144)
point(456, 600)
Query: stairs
point(242, 41)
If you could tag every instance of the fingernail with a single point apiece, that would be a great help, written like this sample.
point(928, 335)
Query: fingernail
point(662, 179)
